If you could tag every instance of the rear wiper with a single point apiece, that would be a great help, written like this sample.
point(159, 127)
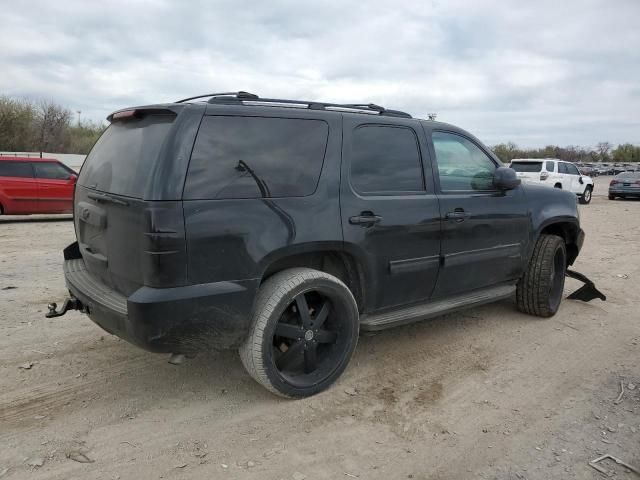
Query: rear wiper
point(103, 197)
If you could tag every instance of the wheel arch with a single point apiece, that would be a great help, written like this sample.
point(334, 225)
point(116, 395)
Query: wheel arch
point(327, 257)
point(568, 230)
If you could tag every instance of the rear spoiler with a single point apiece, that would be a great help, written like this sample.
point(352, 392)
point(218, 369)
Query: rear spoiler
point(139, 112)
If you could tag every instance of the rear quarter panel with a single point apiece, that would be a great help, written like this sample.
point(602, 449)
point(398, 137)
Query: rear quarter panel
point(237, 239)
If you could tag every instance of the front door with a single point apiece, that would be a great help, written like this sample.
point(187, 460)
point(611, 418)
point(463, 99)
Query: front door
point(390, 214)
point(55, 188)
point(484, 230)
point(574, 174)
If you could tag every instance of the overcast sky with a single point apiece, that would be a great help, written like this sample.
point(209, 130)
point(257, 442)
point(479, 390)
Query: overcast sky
point(533, 72)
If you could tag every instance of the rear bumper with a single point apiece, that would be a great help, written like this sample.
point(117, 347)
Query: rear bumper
point(626, 191)
point(170, 320)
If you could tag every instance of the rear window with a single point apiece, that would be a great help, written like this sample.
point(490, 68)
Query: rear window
point(15, 169)
point(628, 176)
point(253, 157)
point(527, 166)
point(123, 157)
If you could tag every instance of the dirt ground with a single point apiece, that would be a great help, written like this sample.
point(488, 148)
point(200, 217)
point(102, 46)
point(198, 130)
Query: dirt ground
point(487, 393)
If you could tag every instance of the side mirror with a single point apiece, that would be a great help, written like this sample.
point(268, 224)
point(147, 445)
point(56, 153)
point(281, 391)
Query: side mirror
point(505, 178)
point(580, 180)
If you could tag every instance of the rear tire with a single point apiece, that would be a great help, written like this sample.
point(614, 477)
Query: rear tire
point(303, 334)
point(612, 197)
point(558, 185)
point(539, 291)
point(585, 199)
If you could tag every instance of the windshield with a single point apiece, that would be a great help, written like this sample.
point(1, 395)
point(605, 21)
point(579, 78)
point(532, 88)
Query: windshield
point(123, 157)
point(527, 166)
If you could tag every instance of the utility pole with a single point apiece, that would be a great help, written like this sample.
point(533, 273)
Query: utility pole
point(78, 112)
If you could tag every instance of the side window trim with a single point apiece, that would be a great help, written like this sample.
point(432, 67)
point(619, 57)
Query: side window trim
point(389, 193)
point(436, 176)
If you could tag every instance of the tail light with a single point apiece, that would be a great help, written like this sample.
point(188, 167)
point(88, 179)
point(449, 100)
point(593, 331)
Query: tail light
point(614, 182)
point(544, 176)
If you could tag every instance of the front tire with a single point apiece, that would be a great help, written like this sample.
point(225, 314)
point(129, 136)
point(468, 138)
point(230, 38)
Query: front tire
point(304, 331)
point(585, 199)
point(612, 197)
point(539, 291)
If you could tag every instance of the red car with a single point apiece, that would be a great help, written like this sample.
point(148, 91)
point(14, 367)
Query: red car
point(35, 185)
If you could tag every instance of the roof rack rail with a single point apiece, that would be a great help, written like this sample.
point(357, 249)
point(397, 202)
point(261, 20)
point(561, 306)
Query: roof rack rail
point(243, 97)
point(238, 95)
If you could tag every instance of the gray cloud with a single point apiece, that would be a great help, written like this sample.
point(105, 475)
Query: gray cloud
point(532, 72)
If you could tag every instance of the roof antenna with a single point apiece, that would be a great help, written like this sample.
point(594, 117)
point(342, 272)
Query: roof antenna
point(432, 116)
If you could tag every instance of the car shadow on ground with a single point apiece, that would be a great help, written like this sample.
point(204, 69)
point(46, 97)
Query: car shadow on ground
point(211, 375)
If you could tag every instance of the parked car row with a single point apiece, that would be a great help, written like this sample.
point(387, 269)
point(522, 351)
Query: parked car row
point(595, 169)
point(35, 185)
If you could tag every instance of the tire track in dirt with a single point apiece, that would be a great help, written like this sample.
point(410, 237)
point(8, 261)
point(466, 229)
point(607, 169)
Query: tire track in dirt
point(18, 407)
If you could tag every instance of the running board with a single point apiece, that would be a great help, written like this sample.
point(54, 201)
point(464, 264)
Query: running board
point(380, 321)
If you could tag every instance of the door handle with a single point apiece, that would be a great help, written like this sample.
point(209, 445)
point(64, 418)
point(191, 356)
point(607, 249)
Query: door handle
point(365, 219)
point(459, 215)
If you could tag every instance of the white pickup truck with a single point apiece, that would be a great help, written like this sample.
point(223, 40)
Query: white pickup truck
point(554, 173)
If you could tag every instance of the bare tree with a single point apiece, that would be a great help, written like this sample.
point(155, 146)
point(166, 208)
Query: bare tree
point(51, 123)
point(603, 149)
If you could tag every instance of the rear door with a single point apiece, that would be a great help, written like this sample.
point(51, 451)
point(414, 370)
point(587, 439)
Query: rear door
point(390, 214)
point(55, 187)
point(552, 171)
point(484, 230)
point(18, 187)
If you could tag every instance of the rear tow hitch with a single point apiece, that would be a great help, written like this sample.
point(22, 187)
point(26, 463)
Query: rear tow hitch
point(588, 291)
point(69, 304)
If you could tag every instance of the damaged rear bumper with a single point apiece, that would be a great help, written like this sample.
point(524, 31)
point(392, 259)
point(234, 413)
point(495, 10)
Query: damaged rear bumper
point(166, 320)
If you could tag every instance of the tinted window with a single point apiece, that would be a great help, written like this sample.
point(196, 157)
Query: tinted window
point(252, 157)
point(122, 159)
point(550, 166)
point(52, 171)
point(562, 168)
point(15, 169)
point(572, 169)
point(526, 166)
point(461, 163)
point(385, 159)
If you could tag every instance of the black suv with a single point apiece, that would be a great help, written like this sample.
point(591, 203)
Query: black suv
point(284, 227)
